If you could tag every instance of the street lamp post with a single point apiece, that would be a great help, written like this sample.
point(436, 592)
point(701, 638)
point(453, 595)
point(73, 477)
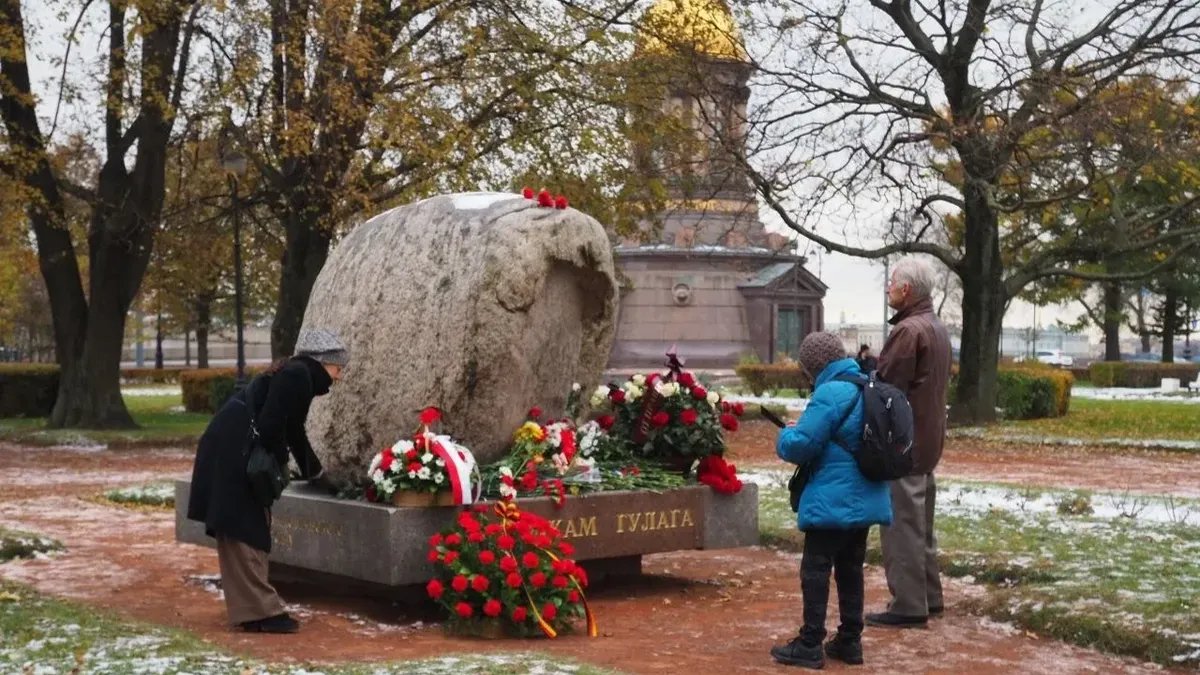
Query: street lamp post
point(234, 164)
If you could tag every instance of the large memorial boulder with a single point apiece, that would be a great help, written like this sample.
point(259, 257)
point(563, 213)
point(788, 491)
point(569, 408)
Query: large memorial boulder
point(481, 304)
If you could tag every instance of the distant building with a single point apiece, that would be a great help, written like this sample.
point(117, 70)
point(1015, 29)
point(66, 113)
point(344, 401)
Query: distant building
point(711, 281)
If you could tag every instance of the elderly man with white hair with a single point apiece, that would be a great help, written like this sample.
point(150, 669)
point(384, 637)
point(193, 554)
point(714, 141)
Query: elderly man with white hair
point(916, 360)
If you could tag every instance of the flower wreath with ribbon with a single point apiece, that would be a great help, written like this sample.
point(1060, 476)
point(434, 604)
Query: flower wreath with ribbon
point(511, 566)
point(428, 463)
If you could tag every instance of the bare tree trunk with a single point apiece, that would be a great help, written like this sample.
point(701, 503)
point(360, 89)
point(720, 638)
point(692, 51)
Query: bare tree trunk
point(158, 340)
point(1170, 322)
point(307, 247)
point(203, 306)
point(984, 299)
point(1114, 311)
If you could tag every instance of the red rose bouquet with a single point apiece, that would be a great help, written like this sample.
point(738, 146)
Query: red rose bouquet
point(668, 415)
point(509, 570)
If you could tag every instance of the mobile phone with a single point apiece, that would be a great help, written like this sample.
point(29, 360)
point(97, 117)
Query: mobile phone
point(771, 417)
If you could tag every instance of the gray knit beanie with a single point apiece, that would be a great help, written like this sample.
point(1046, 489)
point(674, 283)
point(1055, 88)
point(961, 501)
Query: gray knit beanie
point(323, 346)
point(819, 350)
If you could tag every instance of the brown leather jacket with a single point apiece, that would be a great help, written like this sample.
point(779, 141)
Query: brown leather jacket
point(916, 360)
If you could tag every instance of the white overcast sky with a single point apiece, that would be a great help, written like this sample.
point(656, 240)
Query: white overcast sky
point(855, 285)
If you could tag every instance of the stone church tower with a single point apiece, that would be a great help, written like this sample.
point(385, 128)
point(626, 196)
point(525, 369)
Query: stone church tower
point(704, 275)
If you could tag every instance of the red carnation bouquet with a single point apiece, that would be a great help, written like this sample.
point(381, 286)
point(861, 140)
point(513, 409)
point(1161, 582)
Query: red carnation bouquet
point(507, 571)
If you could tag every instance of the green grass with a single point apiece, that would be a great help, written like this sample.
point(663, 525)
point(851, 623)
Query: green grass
point(161, 495)
point(160, 421)
point(39, 634)
point(1116, 419)
point(16, 544)
point(1116, 581)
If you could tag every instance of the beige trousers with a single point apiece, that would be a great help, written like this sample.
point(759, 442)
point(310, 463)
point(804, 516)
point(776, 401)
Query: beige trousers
point(910, 547)
point(248, 594)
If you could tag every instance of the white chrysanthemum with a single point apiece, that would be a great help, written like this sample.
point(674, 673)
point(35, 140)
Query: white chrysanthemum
point(634, 393)
point(387, 485)
point(438, 478)
point(507, 491)
point(377, 475)
point(505, 471)
point(713, 398)
point(576, 387)
point(666, 389)
point(440, 462)
point(402, 447)
point(427, 458)
point(412, 474)
point(639, 379)
point(424, 473)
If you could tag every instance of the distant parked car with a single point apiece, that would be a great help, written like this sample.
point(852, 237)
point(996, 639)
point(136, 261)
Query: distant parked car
point(1055, 357)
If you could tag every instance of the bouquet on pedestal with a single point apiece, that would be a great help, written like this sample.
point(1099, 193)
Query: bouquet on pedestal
point(428, 470)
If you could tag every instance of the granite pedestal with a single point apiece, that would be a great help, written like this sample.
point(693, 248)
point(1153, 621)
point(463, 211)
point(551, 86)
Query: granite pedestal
point(387, 546)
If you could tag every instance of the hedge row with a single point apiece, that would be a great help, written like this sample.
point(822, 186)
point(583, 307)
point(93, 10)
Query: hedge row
point(1030, 392)
point(1139, 374)
point(151, 375)
point(28, 389)
point(207, 390)
point(762, 377)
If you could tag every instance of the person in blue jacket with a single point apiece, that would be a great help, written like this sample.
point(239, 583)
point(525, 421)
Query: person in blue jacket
point(837, 508)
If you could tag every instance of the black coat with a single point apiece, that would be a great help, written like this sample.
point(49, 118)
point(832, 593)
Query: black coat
point(220, 496)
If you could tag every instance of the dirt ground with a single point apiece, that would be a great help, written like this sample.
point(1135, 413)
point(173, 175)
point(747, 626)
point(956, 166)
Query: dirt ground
point(700, 611)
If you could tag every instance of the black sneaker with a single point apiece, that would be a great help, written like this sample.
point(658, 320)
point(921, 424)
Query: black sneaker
point(796, 653)
point(846, 650)
point(280, 623)
point(890, 620)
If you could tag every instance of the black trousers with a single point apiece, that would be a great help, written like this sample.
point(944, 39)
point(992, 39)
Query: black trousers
point(843, 553)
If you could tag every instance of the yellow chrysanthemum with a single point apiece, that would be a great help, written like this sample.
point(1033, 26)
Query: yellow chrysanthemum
point(530, 431)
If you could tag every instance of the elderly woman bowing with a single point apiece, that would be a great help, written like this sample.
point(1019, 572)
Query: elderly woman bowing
point(276, 403)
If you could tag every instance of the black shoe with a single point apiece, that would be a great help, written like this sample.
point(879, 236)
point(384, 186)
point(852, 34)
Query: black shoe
point(280, 623)
point(890, 620)
point(796, 653)
point(936, 610)
point(846, 650)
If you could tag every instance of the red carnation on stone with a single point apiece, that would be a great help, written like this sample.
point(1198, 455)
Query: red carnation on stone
point(508, 563)
point(450, 557)
point(535, 413)
point(519, 614)
point(506, 542)
point(513, 580)
point(487, 557)
point(537, 579)
point(549, 611)
point(492, 607)
point(729, 422)
point(617, 396)
point(566, 547)
point(435, 589)
point(386, 462)
point(686, 380)
point(412, 455)
point(464, 610)
point(434, 556)
point(414, 466)
point(699, 394)
point(687, 417)
point(739, 409)
point(573, 596)
point(475, 537)
point(459, 583)
point(660, 419)
point(530, 560)
point(527, 192)
point(560, 202)
point(479, 583)
point(453, 539)
point(560, 581)
point(605, 422)
point(544, 198)
point(430, 415)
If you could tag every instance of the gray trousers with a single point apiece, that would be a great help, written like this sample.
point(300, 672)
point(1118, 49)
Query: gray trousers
point(910, 547)
point(248, 594)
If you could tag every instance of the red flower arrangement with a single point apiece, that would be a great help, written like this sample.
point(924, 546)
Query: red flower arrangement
point(510, 567)
point(544, 199)
point(718, 474)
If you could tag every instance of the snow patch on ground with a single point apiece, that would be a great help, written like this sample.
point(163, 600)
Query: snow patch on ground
point(1034, 439)
point(1134, 394)
point(973, 498)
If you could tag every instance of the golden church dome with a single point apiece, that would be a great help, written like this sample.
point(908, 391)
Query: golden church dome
point(700, 26)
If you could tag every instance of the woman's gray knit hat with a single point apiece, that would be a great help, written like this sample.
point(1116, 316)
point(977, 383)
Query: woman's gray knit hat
point(323, 346)
point(819, 350)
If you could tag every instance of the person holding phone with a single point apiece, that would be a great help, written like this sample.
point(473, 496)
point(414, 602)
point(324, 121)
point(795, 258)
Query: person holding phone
point(837, 507)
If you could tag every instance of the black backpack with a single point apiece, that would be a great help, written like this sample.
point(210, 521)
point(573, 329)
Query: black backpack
point(886, 452)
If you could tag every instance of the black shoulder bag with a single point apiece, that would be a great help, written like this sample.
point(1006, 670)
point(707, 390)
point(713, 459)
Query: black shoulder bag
point(266, 478)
